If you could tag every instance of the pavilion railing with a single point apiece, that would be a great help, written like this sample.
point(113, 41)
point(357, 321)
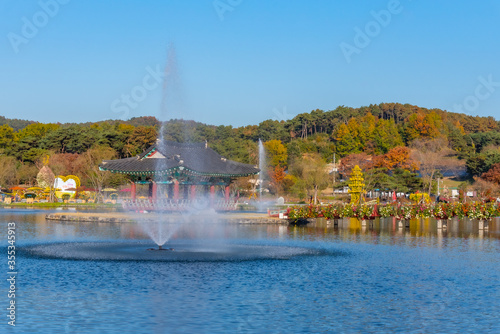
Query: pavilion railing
point(179, 205)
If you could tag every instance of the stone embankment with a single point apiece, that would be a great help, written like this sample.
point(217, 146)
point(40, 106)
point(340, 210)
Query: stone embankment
point(120, 217)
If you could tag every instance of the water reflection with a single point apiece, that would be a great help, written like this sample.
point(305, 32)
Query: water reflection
point(373, 277)
point(378, 231)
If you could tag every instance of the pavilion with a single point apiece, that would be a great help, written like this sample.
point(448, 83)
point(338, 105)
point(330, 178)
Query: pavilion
point(179, 173)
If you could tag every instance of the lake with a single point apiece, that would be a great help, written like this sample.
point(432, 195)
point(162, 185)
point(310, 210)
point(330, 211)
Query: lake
point(98, 277)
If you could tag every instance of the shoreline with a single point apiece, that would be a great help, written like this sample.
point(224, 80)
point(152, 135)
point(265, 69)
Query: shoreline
point(123, 217)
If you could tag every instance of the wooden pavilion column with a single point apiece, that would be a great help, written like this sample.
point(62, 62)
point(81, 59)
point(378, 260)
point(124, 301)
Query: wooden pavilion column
point(154, 191)
point(192, 194)
point(212, 195)
point(133, 191)
point(176, 190)
point(226, 193)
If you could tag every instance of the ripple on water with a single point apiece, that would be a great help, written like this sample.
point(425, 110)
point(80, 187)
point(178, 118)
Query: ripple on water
point(182, 251)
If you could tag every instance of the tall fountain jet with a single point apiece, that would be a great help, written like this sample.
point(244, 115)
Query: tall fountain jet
point(171, 102)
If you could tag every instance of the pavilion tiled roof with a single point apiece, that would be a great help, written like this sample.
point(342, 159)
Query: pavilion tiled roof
point(168, 157)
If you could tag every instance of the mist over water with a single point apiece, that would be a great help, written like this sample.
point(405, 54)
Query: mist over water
point(172, 100)
point(198, 213)
point(260, 204)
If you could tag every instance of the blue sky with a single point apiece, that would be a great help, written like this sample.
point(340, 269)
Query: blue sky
point(240, 62)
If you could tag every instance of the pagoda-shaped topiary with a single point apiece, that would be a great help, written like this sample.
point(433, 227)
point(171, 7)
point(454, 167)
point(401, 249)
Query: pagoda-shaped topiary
point(45, 177)
point(356, 185)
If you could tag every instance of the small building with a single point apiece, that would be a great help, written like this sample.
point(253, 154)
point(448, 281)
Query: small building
point(180, 172)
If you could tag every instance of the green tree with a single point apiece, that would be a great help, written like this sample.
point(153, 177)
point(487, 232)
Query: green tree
point(480, 163)
point(37, 130)
point(7, 137)
point(345, 143)
point(271, 129)
point(386, 136)
point(311, 175)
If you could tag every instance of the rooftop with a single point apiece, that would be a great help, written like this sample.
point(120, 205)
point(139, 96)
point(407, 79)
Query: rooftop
point(167, 157)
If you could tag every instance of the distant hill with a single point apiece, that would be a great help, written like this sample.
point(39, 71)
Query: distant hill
point(15, 123)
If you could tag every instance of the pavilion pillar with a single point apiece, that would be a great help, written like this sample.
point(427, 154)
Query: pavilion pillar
point(212, 195)
point(133, 191)
point(226, 193)
point(192, 194)
point(176, 190)
point(154, 191)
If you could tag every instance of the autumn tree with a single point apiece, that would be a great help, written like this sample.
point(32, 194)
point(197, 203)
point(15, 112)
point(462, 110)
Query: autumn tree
point(398, 157)
point(363, 160)
point(277, 177)
point(91, 159)
point(140, 139)
point(276, 153)
point(67, 164)
point(422, 125)
point(493, 174)
point(486, 188)
point(26, 174)
point(8, 177)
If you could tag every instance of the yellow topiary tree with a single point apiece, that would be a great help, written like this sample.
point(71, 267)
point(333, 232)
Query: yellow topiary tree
point(356, 185)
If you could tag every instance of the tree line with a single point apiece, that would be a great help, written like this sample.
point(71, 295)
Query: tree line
point(399, 146)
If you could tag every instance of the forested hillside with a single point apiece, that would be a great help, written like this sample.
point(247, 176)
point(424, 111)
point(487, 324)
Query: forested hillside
point(392, 142)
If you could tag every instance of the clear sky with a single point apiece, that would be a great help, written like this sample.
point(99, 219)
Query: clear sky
point(240, 62)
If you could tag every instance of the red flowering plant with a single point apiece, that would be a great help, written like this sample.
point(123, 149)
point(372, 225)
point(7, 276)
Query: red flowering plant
point(422, 211)
point(461, 210)
point(497, 213)
point(332, 212)
point(443, 211)
point(313, 211)
point(482, 211)
point(298, 212)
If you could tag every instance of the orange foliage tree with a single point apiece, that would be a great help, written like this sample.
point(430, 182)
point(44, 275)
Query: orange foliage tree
point(492, 175)
point(398, 157)
point(420, 125)
point(277, 176)
point(363, 160)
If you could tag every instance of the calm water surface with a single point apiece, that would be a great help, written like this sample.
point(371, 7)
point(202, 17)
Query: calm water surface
point(373, 279)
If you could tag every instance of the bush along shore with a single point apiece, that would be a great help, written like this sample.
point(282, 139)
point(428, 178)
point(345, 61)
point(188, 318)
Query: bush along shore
point(439, 211)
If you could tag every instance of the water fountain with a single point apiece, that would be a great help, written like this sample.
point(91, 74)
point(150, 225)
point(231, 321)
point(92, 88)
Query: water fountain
point(260, 203)
point(206, 231)
point(164, 226)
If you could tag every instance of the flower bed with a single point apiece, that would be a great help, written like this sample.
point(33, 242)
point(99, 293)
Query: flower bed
point(477, 210)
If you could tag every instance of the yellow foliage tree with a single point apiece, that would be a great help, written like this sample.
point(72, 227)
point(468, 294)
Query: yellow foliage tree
point(276, 153)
